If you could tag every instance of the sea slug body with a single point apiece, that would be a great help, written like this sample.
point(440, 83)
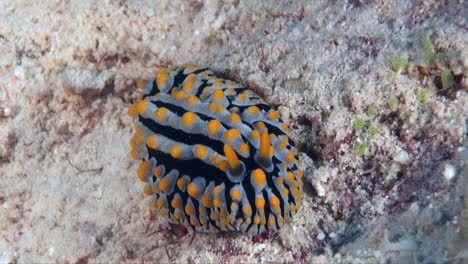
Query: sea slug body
point(214, 156)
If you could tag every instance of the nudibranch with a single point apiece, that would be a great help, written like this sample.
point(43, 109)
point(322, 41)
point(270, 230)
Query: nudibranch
point(214, 156)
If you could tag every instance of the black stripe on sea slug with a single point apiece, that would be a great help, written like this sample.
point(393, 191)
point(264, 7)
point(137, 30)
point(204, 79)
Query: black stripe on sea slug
point(181, 136)
point(179, 110)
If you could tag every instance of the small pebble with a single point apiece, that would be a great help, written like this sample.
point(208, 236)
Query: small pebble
point(51, 251)
point(320, 190)
point(19, 72)
point(402, 157)
point(449, 171)
point(6, 111)
point(321, 236)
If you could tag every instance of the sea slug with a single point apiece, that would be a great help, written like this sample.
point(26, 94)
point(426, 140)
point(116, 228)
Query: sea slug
point(215, 156)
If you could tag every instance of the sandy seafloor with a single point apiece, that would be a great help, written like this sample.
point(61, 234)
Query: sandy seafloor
point(383, 149)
